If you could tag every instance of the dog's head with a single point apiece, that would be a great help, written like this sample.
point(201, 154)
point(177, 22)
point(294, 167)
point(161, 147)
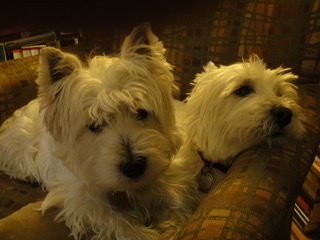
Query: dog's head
point(232, 108)
point(113, 120)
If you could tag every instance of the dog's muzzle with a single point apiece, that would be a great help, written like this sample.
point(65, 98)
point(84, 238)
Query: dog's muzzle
point(134, 167)
point(281, 117)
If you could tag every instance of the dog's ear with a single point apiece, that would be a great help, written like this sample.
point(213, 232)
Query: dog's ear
point(140, 41)
point(55, 65)
point(210, 67)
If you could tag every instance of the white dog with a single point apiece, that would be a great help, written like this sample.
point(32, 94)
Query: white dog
point(231, 108)
point(101, 138)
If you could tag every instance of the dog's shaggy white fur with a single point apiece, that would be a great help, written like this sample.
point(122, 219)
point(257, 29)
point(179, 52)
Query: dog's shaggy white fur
point(100, 138)
point(232, 108)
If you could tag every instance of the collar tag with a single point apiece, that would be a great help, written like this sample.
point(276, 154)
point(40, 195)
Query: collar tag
point(205, 180)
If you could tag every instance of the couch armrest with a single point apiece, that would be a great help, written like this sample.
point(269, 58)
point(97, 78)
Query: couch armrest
point(256, 198)
point(29, 224)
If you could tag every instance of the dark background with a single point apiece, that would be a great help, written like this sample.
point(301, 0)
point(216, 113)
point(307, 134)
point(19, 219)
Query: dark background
point(65, 16)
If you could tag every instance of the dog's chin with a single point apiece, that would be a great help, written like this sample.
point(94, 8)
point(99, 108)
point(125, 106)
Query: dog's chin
point(273, 132)
point(276, 134)
point(130, 185)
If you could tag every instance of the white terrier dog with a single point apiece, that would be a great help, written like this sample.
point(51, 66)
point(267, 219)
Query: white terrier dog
point(231, 108)
point(101, 138)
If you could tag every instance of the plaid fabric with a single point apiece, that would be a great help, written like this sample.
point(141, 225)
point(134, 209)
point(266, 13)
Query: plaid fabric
point(17, 85)
point(285, 32)
point(15, 194)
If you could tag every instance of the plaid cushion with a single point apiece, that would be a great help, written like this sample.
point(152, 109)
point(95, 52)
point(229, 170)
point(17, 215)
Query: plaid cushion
point(17, 84)
point(15, 194)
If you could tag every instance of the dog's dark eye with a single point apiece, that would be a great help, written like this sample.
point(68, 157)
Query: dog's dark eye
point(141, 114)
point(243, 91)
point(95, 128)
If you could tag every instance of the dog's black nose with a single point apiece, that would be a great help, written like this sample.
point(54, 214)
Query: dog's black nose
point(281, 115)
point(134, 167)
